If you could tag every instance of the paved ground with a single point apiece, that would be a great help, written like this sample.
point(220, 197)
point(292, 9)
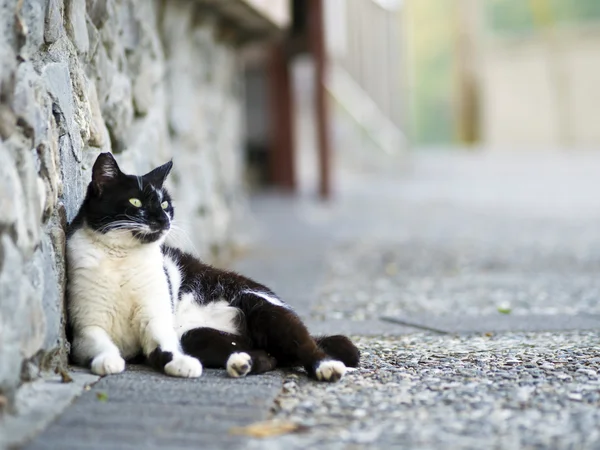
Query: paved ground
point(454, 253)
point(142, 409)
point(509, 391)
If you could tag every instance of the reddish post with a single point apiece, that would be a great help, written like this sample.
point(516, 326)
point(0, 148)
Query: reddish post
point(281, 109)
point(317, 48)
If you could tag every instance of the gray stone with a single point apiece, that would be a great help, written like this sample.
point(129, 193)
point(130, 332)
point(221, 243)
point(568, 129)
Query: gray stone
point(39, 403)
point(30, 20)
point(129, 23)
point(47, 153)
point(77, 25)
point(99, 11)
point(54, 28)
point(10, 188)
point(24, 101)
point(23, 325)
point(118, 111)
point(98, 131)
point(8, 122)
point(58, 81)
point(148, 76)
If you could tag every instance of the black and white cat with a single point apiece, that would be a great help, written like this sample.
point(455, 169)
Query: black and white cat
point(129, 294)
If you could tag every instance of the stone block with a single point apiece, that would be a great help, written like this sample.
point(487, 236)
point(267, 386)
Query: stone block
point(30, 26)
point(118, 111)
point(77, 27)
point(99, 11)
point(98, 132)
point(54, 28)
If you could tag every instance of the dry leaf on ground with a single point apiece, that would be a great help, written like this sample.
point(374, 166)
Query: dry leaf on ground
point(268, 428)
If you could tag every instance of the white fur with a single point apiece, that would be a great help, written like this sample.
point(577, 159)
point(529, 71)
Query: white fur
point(184, 366)
point(239, 364)
point(189, 314)
point(271, 299)
point(108, 364)
point(158, 192)
point(119, 301)
point(330, 370)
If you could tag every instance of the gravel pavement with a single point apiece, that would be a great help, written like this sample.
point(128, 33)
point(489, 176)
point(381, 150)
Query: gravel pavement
point(369, 280)
point(507, 391)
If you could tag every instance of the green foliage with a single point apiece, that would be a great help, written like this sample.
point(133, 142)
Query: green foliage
point(432, 118)
point(576, 11)
point(516, 17)
point(509, 16)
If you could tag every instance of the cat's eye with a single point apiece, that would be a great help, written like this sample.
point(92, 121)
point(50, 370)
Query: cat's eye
point(164, 205)
point(135, 202)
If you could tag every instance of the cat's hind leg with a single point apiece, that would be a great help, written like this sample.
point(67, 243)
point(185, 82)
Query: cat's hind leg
point(233, 352)
point(279, 331)
point(341, 348)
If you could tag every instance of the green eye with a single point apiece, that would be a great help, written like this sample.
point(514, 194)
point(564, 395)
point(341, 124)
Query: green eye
point(164, 205)
point(135, 202)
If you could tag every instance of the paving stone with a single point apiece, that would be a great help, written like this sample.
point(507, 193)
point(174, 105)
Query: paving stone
point(145, 409)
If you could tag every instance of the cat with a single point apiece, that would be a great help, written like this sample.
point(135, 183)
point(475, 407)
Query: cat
point(130, 294)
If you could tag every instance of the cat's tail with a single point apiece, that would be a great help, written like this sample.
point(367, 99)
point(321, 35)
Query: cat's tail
point(339, 347)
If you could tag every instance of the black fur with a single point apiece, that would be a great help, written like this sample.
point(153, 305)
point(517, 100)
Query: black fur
point(159, 358)
point(214, 347)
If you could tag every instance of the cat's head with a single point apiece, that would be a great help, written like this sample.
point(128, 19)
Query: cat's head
point(130, 206)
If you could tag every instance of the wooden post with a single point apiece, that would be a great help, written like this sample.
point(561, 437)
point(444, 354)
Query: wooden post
point(281, 110)
point(317, 48)
point(467, 82)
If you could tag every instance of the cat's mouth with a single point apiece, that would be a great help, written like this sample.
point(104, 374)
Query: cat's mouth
point(150, 235)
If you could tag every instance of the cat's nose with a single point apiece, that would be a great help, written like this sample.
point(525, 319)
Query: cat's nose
point(160, 223)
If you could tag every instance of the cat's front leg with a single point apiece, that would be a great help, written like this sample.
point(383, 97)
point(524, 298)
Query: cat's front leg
point(164, 353)
point(161, 344)
point(93, 343)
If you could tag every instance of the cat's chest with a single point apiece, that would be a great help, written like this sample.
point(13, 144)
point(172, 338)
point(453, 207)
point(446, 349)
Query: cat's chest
point(124, 274)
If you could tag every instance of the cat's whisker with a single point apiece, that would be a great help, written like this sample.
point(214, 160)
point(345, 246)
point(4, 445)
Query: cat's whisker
point(181, 236)
point(124, 225)
point(134, 219)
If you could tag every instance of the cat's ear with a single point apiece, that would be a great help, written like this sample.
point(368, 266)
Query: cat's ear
point(158, 176)
point(105, 171)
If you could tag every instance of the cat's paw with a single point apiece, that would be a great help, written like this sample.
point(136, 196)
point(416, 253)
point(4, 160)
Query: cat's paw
point(184, 366)
point(330, 370)
point(239, 365)
point(107, 364)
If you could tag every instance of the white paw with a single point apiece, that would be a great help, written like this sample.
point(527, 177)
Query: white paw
point(239, 365)
point(107, 364)
point(184, 366)
point(330, 370)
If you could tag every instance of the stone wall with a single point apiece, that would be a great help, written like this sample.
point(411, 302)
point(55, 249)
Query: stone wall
point(148, 80)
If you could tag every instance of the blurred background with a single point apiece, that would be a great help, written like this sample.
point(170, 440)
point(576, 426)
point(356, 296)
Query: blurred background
point(409, 75)
point(378, 163)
